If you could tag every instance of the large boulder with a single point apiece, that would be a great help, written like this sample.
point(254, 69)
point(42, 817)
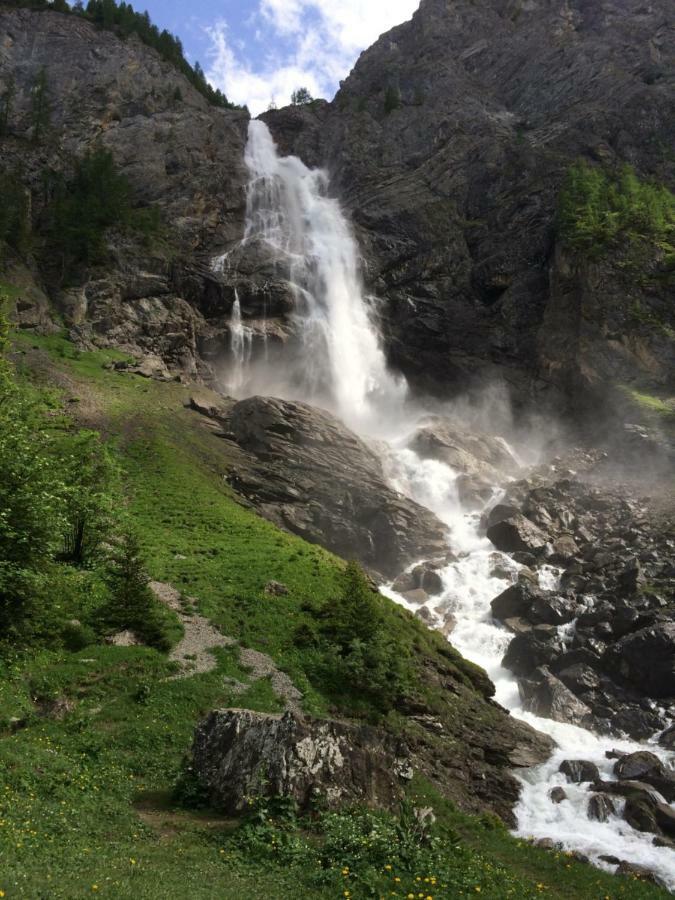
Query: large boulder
point(647, 767)
point(238, 754)
point(310, 474)
point(517, 534)
point(467, 452)
point(646, 660)
point(545, 695)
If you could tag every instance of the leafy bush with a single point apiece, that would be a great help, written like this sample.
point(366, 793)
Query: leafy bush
point(597, 209)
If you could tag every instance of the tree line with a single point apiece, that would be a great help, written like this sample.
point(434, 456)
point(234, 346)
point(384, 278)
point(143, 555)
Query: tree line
point(124, 21)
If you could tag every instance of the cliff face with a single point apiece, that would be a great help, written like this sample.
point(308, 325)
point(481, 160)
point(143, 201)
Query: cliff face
point(449, 142)
point(179, 154)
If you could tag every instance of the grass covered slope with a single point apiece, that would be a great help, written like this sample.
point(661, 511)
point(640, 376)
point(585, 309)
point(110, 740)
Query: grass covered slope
point(92, 740)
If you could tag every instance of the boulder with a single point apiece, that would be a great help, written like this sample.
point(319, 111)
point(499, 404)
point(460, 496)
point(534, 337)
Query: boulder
point(600, 808)
point(276, 589)
point(311, 475)
point(471, 453)
point(545, 695)
point(647, 767)
point(667, 738)
point(579, 771)
point(557, 795)
point(427, 578)
point(638, 873)
point(646, 660)
point(518, 534)
point(238, 754)
point(531, 649)
point(579, 678)
point(515, 601)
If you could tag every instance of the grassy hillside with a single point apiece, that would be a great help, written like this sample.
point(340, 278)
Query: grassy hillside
point(92, 740)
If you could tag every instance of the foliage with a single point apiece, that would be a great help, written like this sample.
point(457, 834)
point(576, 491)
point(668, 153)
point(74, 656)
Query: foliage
point(85, 796)
point(357, 653)
point(132, 604)
point(301, 96)
point(80, 210)
point(597, 209)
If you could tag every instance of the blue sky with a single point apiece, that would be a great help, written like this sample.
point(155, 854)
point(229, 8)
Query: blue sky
point(259, 51)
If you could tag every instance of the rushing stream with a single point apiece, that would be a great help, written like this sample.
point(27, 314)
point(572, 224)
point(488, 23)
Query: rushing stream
point(340, 365)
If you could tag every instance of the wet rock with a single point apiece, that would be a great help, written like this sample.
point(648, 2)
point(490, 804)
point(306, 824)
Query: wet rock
point(427, 578)
point(564, 548)
point(557, 795)
point(641, 873)
point(579, 678)
point(647, 768)
point(310, 474)
point(529, 650)
point(579, 771)
point(417, 597)
point(515, 601)
point(468, 452)
point(667, 738)
point(545, 695)
point(518, 534)
point(500, 513)
point(646, 660)
point(600, 808)
point(238, 754)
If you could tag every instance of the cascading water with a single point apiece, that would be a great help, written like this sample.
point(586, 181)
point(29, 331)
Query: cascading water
point(341, 365)
point(241, 345)
point(339, 362)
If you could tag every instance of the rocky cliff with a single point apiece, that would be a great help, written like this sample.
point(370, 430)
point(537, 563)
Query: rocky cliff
point(181, 156)
point(449, 142)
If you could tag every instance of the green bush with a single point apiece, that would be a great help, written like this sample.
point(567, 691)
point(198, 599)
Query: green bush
point(597, 209)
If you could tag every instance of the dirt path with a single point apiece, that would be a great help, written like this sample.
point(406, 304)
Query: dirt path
point(194, 653)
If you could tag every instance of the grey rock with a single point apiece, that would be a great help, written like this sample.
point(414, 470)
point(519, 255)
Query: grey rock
point(579, 771)
point(600, 808)
point(309, 474)
point(557, 795)
point(238, 754)
point(545, 695)
point(517, 534)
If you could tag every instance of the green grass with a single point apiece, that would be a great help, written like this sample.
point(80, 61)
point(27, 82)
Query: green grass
point(70, 823)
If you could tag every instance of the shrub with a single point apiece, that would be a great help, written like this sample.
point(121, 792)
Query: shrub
point(597, 209)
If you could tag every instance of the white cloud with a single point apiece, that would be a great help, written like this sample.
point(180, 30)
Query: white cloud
point(324, 37)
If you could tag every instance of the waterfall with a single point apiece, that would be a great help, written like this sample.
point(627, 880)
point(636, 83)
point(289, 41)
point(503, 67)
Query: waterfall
point(241, 345)
point(339, 362)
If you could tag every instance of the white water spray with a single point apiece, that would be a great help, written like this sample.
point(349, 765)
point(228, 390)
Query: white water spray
point(340, 364)
point(241, 345)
